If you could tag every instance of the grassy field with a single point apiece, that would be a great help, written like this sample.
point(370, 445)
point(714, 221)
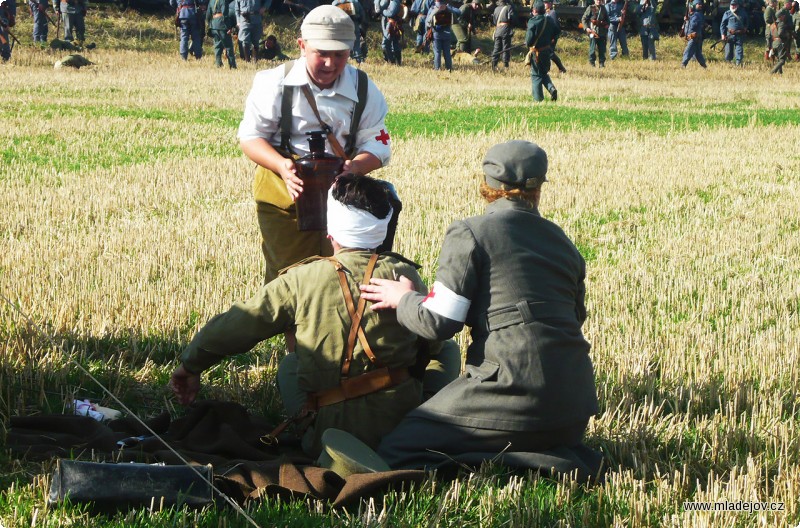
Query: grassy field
point(128, 222)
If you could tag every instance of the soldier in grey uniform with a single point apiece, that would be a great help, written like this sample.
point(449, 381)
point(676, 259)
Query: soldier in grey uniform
point(72, 13)
point(783, 37)
point(249, 15)
point(616, 31)
point(769, 20)
point(517, 281)
point(359, 17)
point(596, 24)
point(220, 21)
point(8, 15)
point(503, 19)
point(551, 12)
point(648, 28)
point(39, 14)
point(188, 14)
point(467, 23)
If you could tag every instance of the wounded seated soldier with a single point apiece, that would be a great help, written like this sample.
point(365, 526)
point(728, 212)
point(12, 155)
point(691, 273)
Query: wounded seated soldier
point(356, 377)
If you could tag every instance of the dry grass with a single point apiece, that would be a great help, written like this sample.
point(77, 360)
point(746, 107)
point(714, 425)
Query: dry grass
point(127, 222)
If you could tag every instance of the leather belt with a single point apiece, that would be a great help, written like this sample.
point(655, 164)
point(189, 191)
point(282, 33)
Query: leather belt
point(374, 381)
point(526, 312)
point(217, 15)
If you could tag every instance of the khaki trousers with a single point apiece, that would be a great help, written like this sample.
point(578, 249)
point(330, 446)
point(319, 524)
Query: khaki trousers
point(281, 242)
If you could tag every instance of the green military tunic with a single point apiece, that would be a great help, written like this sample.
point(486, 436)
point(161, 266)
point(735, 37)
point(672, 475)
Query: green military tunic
point(782, 38)
point(539, 37)
point(220, 20)
point(308, 299)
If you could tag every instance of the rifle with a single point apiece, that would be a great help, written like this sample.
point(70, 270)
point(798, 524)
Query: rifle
point(296, 6)
point(493, 55)
point(716, 43)
point(622, 16)
point(14, 39)
point(44, 12)
point(682, 32)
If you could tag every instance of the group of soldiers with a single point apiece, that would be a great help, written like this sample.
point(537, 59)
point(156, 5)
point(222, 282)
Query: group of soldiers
point(70, 13)
point(782, 33)
point(604, 24)
point(222, 20)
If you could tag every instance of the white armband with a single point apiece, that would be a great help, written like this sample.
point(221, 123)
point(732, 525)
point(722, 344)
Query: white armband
point(447, 303)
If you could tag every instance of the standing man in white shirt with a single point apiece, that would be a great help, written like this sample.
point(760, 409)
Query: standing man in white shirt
point(340, 92)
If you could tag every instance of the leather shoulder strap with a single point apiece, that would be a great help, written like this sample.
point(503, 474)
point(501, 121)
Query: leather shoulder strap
point(356, 314)
point(337, 148)
point(362, 90)
point(285, 122)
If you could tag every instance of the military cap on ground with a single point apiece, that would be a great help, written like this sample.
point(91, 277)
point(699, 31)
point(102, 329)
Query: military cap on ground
point(73, 61)
point(515, 164)
point(328, 28)
point(346, 455)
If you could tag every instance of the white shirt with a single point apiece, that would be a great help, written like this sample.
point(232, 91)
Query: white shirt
point(336, 105)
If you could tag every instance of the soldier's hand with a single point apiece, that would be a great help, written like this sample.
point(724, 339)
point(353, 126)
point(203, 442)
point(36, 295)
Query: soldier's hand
point(351, 167)
point(288, 172)
point(386, 293)
point(184, 385)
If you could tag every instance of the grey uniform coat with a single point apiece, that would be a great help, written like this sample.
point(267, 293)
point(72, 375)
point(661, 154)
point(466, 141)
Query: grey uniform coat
point(528, 367)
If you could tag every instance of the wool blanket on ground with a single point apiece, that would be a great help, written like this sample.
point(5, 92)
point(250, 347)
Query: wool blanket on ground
point(226, 436)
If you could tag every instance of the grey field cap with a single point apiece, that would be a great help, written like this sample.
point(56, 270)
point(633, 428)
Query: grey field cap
point(515, 164)
point(328, 28)
point(346, 455)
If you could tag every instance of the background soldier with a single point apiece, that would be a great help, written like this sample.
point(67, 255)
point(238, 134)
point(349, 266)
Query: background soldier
point(796, 22)
point(616, 31)
point(467, 22)
point(539, 37)
point(40, 20)
point(8, 15)
point(769, 21)
point(503, 19)
point(440, 21)
point(188, 15)
point(272, 50)
point(755, 17)
point(783, 36)
point(550, 12)
point(694, 36)
point(648, 29)
point(391, 29)
point(249, 15)
point(220, 22)
point(72, 14)
point(359, 17)
point(732, 30)
point(419, 11)
point(595, 21)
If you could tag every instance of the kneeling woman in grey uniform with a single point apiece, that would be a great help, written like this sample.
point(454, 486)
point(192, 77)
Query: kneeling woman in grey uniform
point(517, 281)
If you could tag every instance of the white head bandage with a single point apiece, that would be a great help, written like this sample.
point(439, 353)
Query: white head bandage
point(355, 228)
